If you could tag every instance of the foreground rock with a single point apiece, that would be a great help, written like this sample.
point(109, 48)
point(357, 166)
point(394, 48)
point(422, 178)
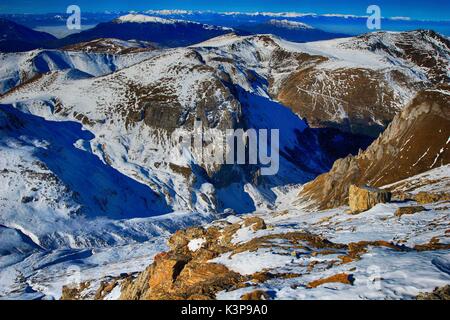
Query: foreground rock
point(187, 272)
point(363, 198)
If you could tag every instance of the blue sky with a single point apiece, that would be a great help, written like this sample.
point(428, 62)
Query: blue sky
point(418, 9)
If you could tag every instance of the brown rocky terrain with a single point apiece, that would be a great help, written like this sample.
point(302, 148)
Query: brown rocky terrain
point(360, 99)
point(417, 140)
point(186, 273)
point(187, 270)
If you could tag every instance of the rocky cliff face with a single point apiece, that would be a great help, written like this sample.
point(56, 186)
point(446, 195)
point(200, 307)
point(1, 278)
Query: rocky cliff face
point(417, 140)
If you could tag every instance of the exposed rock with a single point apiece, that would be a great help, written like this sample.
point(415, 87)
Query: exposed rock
point(256, 223)
point(337, 278)
point(74, 292)
point(433, 244)
point(408, 210)
point(356, 249)
point(427, 197)
point(183, 274)
point(256, 295)
point(442, 293)
point(105, 288)
point(415, 142)
point(363, 198)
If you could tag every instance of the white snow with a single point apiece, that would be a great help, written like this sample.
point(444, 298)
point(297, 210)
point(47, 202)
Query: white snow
point(196, 244)
point(141, 18)
point(289, 24)
point(247, 263)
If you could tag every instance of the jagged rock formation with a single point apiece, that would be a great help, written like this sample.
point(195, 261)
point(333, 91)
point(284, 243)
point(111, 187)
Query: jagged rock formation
point(363, 198)
point(417, 140)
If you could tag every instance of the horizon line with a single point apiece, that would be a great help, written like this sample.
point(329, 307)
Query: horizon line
point(284, 14)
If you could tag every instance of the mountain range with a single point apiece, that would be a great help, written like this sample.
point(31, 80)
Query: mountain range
point(88, 176)
point(161, 31)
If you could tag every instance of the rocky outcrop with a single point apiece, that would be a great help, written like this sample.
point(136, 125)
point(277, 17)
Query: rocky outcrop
point(429, 197)
point(363, 198)
point(416, 141)
point(256, 295)
point(343, 278)
point(189, 271)
point(442, 293)
point(408, 210)
point(186, 270)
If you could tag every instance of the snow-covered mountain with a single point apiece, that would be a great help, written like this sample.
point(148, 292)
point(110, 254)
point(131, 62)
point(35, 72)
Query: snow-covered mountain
point(82, 61)
point(230, 82)
point(290, 30)
point(163, 32)
point(359, 84)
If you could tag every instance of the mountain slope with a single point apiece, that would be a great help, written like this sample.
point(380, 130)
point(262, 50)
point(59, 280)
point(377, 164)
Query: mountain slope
point(163, 32)
point(361, 83)
point(417, 140)
point(339, 83)
point(290, 30)
point(18, 68)
point(134, 111)
point(112, 46)
point(226, 82)
point(15, 37)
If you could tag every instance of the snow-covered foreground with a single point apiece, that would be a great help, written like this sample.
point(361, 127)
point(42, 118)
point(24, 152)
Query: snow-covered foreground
point(380, 272)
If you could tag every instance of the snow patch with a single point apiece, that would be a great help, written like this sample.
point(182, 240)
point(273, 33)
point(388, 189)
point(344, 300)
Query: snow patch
point(196, 244)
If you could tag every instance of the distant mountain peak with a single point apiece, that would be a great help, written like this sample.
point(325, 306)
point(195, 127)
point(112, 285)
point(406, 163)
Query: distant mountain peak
point(142, 18)
point(289, 24)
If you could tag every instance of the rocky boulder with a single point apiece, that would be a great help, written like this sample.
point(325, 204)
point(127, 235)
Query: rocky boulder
point(363, 198)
